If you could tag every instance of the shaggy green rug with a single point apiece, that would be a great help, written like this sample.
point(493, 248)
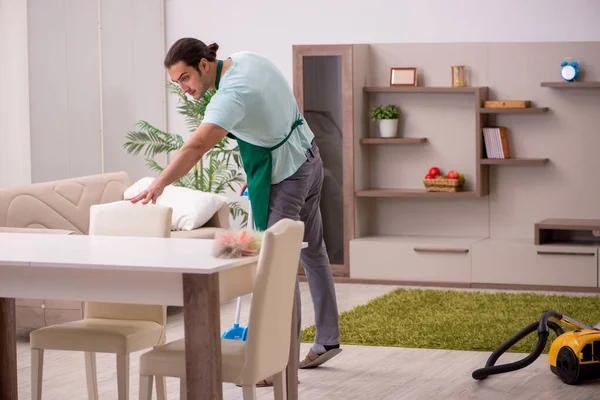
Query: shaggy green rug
point(456, 320)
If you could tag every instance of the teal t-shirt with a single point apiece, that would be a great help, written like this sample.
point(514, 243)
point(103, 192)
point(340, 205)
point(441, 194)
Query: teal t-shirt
point(255, 103)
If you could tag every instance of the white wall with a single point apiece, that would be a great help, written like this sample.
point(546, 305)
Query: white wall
point(95, 69)
point(15, 157)
point(271, 27)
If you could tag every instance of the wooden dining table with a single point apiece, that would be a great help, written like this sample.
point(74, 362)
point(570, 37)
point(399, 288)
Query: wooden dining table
point(134, 270)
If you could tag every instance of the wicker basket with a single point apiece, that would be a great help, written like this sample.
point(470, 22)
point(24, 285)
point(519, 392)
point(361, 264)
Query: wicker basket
point(444, 185)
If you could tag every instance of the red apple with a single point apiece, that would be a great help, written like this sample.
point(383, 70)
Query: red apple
point(429, 176)
point(453, 175)
point(434, 171)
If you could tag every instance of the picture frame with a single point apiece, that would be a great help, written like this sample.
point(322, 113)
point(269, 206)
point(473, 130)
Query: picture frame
point(403, 76)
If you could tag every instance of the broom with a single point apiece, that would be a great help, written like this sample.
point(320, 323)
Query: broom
point(238, 332)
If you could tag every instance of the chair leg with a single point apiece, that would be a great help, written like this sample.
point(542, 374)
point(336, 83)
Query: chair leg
point(37, 369)
point(279, 386)
point(146, 387)
point(182, 389)
point(123, 376)
point(161, 388)
point(91, 375)
point(249, 392)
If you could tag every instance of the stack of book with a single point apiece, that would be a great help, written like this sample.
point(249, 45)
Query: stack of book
point(496, 142)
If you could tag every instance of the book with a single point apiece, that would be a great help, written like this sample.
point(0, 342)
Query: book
point(496, 142)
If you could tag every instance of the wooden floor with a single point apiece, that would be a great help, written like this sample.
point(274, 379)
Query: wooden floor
point(372, 373)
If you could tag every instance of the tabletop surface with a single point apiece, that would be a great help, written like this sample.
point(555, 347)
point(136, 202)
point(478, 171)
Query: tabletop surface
point(115, 252)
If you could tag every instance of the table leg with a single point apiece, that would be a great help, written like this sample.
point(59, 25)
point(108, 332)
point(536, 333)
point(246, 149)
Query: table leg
point(292, 368)
point(8, 350)
point(202, 325)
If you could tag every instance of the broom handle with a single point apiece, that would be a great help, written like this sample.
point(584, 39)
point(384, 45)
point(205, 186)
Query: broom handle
point(250, 220)
point(238, 310)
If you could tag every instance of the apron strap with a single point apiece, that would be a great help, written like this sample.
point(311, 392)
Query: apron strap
point(218, 77)
point(296, 124)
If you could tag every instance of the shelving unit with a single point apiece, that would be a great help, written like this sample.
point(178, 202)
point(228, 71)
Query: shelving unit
point(571, 85)
point(375, 256)
point(395, 231)
point(487, 114)
point(479, 94)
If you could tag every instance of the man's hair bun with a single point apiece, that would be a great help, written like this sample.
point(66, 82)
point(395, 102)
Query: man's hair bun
point(213, 48)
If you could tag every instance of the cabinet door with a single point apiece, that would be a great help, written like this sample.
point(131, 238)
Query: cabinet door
point(524, 263)
point(411, 260)
point(323, 113)
point(323, 89)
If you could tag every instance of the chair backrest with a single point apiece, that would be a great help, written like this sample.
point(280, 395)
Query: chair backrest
point(123, 218)
point(269, 325)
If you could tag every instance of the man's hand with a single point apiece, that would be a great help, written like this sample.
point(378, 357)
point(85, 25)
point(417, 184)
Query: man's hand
point(244, 187)
point(151, 194)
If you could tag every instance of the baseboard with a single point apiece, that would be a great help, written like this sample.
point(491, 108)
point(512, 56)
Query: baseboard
point(336, 270)
point(577, 289)
point(492, 286)
point(344, 279)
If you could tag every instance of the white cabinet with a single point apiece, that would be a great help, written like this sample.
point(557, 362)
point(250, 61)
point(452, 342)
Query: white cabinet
point(412, 259)
point(521, 262)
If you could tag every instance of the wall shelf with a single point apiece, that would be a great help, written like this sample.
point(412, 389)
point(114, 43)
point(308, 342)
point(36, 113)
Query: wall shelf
point(571, 85)
point(514, 161)
point(423, 89)
point(392, 140)
point(568, 231)
point(480, 178)
point(528, 110)
point(414, 193)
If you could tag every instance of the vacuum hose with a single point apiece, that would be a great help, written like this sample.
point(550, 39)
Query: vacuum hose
point(542, 327)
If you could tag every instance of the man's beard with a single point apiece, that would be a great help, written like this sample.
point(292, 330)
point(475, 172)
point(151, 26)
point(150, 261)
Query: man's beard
point(202, 92)
point(204, 88)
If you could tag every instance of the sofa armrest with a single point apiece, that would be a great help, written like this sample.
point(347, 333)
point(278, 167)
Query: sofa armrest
point(220, 219)
point(8, 229)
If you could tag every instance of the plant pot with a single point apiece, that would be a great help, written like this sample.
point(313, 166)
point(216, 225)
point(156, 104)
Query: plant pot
point(388, 128)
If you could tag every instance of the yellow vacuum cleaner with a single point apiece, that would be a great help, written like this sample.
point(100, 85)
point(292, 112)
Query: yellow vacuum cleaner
point(574, 356)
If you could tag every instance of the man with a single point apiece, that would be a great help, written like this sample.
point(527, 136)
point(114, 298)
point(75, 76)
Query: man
point(255, 105)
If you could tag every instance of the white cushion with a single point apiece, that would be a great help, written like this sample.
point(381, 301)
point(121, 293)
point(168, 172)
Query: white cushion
point(191, 208)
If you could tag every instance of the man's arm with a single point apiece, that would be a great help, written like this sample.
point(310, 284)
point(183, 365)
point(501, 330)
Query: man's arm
point(202, 140)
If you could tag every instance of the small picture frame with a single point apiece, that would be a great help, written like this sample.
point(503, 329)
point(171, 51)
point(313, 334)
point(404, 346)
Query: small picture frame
point(403, 76)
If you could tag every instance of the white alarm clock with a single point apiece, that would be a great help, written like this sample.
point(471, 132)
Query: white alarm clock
point(570, 70)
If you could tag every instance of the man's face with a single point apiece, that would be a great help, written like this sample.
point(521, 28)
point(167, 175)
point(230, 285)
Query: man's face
point(194, 82)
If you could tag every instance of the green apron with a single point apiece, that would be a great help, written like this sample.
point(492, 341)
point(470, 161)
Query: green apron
point(258, 167)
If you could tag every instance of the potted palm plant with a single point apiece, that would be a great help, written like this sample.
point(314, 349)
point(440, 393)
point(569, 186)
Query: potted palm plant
point(387, 117)
point(218, 171)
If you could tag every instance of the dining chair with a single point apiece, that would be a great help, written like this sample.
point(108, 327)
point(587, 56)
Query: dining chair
point(120, 329)
point(265, 352)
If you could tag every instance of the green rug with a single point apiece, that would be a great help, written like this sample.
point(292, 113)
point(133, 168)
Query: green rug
point(455, 320)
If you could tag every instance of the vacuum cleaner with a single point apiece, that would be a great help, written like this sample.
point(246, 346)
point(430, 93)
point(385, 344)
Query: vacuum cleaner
point(574, 356)
point(237, 332)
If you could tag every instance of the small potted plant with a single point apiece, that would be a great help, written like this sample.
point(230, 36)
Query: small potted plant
point(387, 118)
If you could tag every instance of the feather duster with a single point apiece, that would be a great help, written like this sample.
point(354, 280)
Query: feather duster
point(236, 244)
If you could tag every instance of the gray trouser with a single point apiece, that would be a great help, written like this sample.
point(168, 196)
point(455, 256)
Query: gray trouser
point(298, 198)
